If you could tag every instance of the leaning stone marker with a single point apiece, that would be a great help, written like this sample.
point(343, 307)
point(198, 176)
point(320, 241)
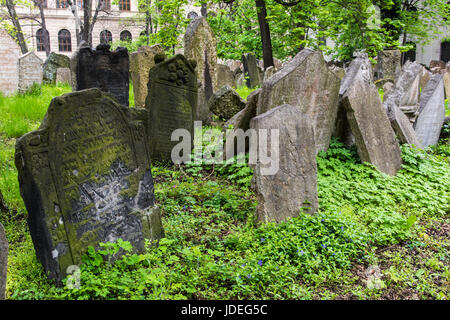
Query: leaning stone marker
point(403, 128)
point(432, 112)
point(171, 103)
point(53, 62)
point(63, 75)
point(141, 62)
point(251, 70)
point(3, 261)
point(200, 46)
point(85, 178)
point(374, 137)
point(105, 70)
point(225, 76)
point(307, 83)
point(226, 103)
point(30, 71)
point(281, 195)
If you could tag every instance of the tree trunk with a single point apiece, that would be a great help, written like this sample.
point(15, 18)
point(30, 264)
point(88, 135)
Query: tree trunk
point(18, 36)
point(86, 33)
point(265, 33)
point(44, 28)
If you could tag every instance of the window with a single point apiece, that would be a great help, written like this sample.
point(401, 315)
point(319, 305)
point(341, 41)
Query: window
point(79, 3)
point(445, 51)
point(106, 5)
point(125, 35)
point(124, 5)
point(61, 4)
point(40, 43)
point(64, 41)
point(105, 37)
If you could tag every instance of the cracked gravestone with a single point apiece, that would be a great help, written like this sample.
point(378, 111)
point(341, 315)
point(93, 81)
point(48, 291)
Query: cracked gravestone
point(431, 114)
point(3, 261)
point(53, 62)
point(307, 83)
point(284, 192)
point(141, 62)
point(30, 71)
point(171, 102)
point(105, 70)
point(225, 103)
point(374, 137)
point(85, 177)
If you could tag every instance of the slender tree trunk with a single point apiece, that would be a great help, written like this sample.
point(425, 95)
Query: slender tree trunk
point(265, 33)
point(18, 36)
point(87, 31)
point(40, 5)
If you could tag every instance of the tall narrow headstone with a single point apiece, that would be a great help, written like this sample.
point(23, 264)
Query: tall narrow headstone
point(63, 75)
point(3, 261)
point(200, 46)
point(171, 102)
point(388, 65)
point(374, 136)
point(431, 112)
point(105, 70)
point(30, 71)
point(53, 62)
point(307, 83)
point(282, 192)
point(141, 62)
point(251, 70)
point(85, 177)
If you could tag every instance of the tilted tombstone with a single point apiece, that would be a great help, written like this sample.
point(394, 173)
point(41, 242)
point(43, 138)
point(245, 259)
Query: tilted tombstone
point(225, 103)
point(284, 192)
point(307, 83)
point(63, 75)
point(85, 177)
point(171, 102)
point(374, 137)
point(200, 46)
point(3, 261)
point(388, 64)
point(403, 128)
point(251, 70)
point(53, 62)
point(241, 120)
point(30, 71)
point(141, 62)
point(431, 112)
point(225, 76)
point(105, 70)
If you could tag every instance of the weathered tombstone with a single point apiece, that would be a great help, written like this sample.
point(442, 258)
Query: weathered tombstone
point(241, 120)
point(200, 46)
point(225, 103)
point(437, 66)
point(141, 62)
point(225, 76)
point(405, 94)
point(105, 70)
point(305, 82)
point(374, 137)
point(270, 71)
point(447, 84)
point(293, 187)
point(251, 70)
point(431, 112)
point(63, 75)
point(171, 103)
point(338, 71)
point(3, 261)
point(388, 65)
point(402, 126)
point(426, 76)
point(85, 177)
point(30, 71)
point(53, 62)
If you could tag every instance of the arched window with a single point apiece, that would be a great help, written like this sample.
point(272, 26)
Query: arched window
point(40, 43)
point(445, 51)
point(62, 4)
point(64, 41)
point(124, 5)
point(105, 37)
point(125, 35)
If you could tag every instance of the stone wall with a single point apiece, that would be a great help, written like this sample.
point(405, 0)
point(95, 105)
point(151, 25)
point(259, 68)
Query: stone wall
point(10, 52)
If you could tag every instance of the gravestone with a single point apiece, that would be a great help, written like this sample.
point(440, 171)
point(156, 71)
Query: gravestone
point(305, 82)
point(447, 84)
point(63, 75)
point(241, 120)
point(225, 76)
point(85, 177)
point(105, 70)
point(293, 187)
point(53, 62)
point(388, 64)
point(225, 103)
point(3, 261)
point(171, 103)
point(270, 71)
point(141, 62)
point(200, 46)
point(431, 112)
point(405, 94)
point(374, 137)
point(30, 71)
point(251, 70)
point(403, 128)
